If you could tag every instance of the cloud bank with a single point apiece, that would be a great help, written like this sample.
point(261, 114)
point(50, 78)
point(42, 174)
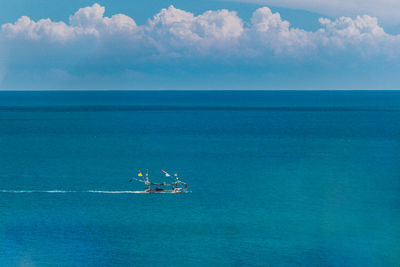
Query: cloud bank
point(94, 45)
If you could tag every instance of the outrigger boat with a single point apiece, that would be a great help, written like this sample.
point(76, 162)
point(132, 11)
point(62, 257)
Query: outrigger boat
point(176, 186)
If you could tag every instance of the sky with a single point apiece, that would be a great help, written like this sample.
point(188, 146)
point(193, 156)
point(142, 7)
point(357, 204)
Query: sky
point(203, 44)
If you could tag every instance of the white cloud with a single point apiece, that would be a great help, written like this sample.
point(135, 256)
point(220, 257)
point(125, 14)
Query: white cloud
point(91, 20)
point(88, 21)
point(25, 28)
point(386, 10)
point(172, 30)
point(92, 42)
point(175, 32)
point(264, 20)
point(88, 16)
point(268, 30)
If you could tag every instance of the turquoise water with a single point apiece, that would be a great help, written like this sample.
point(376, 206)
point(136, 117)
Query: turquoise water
point(277, 178)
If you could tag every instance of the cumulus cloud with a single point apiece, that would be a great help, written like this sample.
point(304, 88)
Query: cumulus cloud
point(91, 42)
point(175, 32)
point(175, 29)
point(385, 10)
point(268, 30)
point(25, 28)
point(88, 21)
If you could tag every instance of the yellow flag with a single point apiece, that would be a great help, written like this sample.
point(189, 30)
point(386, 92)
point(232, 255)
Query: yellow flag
point(140, 174)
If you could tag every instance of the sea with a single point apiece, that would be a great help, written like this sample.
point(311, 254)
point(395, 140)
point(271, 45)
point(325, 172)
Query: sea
point(275, 178)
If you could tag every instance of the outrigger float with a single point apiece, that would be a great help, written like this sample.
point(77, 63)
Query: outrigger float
point(177, 186)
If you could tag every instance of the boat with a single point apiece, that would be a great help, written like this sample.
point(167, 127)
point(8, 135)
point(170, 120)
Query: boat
point(176, 186)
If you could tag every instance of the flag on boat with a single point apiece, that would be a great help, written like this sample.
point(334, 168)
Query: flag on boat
point(166, 173)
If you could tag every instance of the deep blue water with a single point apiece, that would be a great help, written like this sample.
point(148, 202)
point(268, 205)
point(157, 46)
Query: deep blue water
point(277, 178)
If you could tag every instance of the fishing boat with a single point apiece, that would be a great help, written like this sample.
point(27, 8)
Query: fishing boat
point(176, 186)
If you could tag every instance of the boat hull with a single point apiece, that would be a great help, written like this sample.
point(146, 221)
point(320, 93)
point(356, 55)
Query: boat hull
point(165, 191)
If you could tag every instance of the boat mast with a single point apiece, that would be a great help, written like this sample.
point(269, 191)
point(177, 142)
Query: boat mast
point(147, 180)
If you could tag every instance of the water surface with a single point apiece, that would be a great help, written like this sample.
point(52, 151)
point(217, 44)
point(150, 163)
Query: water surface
point(277, 178)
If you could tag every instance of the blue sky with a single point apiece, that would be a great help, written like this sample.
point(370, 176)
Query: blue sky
point(243, 44)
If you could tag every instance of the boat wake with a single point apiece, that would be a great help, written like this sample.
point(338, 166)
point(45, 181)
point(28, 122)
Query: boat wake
point(72, 191)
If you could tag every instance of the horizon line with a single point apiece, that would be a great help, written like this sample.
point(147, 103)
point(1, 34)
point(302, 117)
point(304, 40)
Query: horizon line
point(192, 90)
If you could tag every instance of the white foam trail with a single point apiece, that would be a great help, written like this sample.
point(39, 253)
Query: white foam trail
point(69, 191)
point(113, 192)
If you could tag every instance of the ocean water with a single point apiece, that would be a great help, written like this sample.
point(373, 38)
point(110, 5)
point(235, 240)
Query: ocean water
point(276, 178)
